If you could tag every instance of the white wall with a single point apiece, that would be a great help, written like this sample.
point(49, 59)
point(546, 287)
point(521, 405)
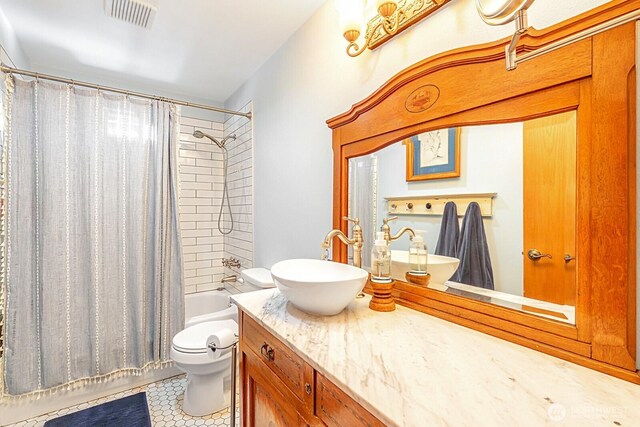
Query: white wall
point(10, 51)
point(311, 79)
point(484, 150)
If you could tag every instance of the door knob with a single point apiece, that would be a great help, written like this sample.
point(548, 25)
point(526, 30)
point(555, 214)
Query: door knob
point(535, 255)
point(568, 257)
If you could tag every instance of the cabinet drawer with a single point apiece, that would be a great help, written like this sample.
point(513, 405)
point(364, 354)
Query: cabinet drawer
point(336, 409)
point(290, 368)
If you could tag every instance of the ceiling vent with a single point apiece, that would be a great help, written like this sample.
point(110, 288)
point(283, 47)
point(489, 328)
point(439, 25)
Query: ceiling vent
point(136, 12)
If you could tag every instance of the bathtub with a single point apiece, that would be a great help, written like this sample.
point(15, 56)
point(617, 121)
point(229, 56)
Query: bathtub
point(207, 306)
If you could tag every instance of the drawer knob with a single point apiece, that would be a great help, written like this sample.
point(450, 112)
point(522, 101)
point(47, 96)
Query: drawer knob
point(267, 352)
point(307, 388)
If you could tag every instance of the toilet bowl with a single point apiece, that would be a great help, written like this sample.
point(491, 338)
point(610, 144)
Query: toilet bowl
point(257, 278)
point(206, 375)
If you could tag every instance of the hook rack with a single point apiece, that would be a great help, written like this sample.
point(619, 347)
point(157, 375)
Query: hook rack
point(434, 204)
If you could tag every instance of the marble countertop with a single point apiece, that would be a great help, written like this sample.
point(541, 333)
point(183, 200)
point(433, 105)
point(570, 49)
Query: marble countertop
point(411, 369)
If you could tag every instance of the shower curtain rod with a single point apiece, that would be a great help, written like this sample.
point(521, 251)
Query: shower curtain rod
point(10, 70)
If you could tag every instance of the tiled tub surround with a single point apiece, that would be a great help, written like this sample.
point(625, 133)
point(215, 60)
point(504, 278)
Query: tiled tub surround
point(200, 182)
point(411, 369)
point(239, 243)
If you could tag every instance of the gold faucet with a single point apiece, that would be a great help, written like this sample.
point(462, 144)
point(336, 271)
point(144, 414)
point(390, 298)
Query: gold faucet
point(357, 242)
point(386, 229)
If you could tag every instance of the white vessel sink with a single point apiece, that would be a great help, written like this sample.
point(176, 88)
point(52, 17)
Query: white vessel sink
point(440, 267)
point(318, 287)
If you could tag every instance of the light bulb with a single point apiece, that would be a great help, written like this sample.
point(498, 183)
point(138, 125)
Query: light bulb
point(351, 14)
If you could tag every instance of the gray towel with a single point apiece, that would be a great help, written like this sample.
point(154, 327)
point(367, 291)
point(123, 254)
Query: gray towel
point(475, 263)
point(449, 232)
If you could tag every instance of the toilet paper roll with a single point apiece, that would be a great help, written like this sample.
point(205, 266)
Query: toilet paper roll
point(223, 338)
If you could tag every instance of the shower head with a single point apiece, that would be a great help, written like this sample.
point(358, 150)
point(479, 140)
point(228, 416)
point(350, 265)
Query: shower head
point(200, 134)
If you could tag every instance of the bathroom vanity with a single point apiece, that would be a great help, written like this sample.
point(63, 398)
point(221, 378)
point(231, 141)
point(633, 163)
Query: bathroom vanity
point(453, 357)
point(405, 368)
point(279, 385)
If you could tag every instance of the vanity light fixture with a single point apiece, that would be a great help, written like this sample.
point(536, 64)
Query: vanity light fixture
point(392, 18)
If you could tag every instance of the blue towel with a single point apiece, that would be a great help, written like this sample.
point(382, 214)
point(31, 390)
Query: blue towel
point(449, 232)
point(475, 262)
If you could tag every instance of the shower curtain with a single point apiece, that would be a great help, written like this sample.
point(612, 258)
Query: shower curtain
point(93, 282)
point(363, 201)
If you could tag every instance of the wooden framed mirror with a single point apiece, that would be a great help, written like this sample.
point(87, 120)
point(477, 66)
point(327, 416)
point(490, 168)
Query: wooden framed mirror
point(585, 91)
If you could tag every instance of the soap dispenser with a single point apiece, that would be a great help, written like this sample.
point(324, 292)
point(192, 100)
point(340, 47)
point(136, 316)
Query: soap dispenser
point(380, 260)
point(418, 254)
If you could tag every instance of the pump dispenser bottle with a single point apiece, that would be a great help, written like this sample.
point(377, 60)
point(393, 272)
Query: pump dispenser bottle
point(380, 260)
point(418, 254)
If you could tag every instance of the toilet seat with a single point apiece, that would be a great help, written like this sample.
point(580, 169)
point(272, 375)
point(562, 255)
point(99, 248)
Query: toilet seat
point(193, 340)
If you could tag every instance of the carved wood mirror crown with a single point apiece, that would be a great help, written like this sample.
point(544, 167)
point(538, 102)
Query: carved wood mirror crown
point(594, 77)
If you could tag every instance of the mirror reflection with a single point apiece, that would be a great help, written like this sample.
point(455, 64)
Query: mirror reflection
point(495, 205)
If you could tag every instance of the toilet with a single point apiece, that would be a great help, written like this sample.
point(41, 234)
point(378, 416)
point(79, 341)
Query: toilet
point(257, 278)
point(206, 375)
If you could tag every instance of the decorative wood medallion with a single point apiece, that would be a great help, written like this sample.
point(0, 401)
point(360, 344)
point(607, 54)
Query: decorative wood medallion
point(422, 98)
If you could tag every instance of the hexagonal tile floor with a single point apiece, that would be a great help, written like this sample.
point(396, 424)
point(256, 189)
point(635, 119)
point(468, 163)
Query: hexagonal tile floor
point(165, 403)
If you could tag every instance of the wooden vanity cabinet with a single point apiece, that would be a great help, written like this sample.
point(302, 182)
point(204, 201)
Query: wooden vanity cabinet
point(266, 400)
point(279, 389)
point(336, 409)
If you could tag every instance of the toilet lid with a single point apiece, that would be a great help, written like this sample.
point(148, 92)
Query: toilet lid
point(194, 338)
point(260, 277)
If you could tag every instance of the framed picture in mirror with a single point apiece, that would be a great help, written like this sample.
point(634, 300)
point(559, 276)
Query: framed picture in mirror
point(433, 155)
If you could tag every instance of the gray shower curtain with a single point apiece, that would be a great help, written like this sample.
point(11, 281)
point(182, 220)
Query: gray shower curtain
point(94, 282)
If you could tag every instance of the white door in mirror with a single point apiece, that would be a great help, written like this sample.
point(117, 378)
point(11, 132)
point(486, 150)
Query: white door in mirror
point(318, 287)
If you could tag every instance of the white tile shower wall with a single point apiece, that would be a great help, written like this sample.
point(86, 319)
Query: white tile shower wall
point(239, 243)
point(200, 182)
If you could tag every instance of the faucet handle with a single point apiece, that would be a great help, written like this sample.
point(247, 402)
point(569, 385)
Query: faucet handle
point(356, 221)
point(385, 227)
point(387, 220)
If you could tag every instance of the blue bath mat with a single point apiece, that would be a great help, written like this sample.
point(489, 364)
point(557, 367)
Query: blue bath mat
point(130, 411)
